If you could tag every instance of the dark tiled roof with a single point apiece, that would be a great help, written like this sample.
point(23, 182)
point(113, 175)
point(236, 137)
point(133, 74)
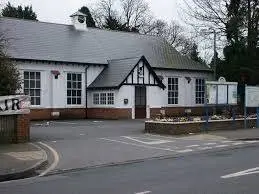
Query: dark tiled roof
point(115, 73)
point(57, 42)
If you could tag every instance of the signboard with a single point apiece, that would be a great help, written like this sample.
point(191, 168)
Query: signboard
point(16, 104)
point(211, 94)
point(252, 96)
point(221, 92)
point(232, 91)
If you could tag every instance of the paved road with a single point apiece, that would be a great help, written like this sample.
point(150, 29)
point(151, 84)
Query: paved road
point(196, 174)
point(83, 144)
point(84, 129)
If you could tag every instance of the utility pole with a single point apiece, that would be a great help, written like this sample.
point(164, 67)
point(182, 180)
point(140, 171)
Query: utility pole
point(215, 54)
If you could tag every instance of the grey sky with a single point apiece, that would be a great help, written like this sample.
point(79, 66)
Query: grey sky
point(58, 11)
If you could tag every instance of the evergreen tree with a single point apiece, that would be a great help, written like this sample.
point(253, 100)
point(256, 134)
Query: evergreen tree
point(113, 23)
point(19, 12)
point(9, 75)
point(241, 52)
point(89, 19)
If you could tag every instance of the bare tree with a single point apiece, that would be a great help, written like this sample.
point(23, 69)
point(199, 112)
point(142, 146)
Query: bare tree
point(103, 9)
point(206, 14)
point(135, 13)
point(173, 33)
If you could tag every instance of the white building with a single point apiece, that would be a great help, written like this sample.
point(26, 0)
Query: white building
point(72, 71)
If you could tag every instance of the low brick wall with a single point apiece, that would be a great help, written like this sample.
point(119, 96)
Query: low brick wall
point(65, 113)
point(23, 129)
point(170, 128)
point(108, 113)
point(14, 129)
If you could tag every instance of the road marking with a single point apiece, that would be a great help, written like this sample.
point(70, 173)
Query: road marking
point(192, 146)
point(138, 145)
point(251, 141)
point(144, 192)
point(82, 134)
point(148, 138)
point(242, 173)
point(69, 123)
point(184, 151)
point(161, 136)
point(56, 160)
point(221, 146)
point(238, 143)
point(226, 141)
point(205, 148)
point(210, 143)
point(154, 142)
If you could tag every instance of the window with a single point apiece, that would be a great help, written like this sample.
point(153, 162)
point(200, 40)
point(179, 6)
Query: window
point(74, 89)
point(173, 90)
point(96, 98)
point(200, 91)
point(110, 98)
point(103, 98)
point(32, 86)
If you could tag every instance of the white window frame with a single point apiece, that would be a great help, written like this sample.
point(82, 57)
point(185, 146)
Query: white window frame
point(109, 98)
point(200, 91)
point(103, 98)
point(96, 98)
point(75, 89)
point(173, 94)
point(37, 88)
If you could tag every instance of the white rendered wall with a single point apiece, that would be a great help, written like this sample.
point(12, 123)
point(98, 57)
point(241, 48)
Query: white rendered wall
point(157, 97)
point(54, 91)
point(125, 92)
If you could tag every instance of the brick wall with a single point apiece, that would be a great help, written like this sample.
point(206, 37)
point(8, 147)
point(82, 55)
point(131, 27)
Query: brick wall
point(108, 113)
point(22, 128)
point(194, 127)
point(65, 113)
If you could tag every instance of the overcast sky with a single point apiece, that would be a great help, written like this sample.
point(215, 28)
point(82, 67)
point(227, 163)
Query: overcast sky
point(58, 11)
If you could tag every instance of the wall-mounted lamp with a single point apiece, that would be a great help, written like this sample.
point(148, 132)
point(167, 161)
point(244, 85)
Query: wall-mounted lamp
point(126, 101)
point(188, 79)
point(56, 73)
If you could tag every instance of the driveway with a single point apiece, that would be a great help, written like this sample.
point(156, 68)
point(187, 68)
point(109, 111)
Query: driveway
point(89, 143)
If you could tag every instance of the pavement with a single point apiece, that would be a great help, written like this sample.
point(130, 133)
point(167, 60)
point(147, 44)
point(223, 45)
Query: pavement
point(240, 134)
point(220, 172)
point(20, 160)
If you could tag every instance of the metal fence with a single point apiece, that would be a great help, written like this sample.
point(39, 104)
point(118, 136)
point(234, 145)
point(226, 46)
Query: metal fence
point(7, 128)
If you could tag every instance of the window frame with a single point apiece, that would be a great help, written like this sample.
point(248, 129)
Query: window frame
point(173, 91)
point(36, 80)
point(108, 98)
point(74, 86)
point(200, 90)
